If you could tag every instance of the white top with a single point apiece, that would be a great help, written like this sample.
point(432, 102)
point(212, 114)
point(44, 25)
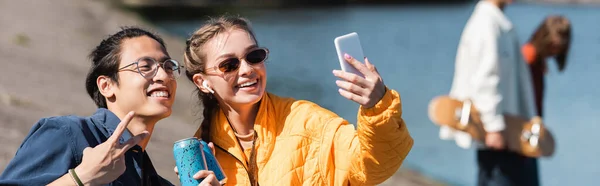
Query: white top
point(490, 71)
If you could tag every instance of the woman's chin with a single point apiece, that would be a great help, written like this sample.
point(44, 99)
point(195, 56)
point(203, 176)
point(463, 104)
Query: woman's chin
point(248, 98)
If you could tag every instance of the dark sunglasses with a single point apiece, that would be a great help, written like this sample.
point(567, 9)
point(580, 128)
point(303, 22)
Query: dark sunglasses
point(255, 56)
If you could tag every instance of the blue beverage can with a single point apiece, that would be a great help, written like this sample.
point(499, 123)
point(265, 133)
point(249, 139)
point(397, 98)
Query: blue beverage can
point(212, 163)
point(189, 159)
point(192, 155)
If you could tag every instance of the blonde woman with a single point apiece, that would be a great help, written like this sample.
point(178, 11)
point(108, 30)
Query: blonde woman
point(264, 139)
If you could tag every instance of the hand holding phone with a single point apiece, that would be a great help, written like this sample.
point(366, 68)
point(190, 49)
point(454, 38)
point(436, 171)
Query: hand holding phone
point(360, 82)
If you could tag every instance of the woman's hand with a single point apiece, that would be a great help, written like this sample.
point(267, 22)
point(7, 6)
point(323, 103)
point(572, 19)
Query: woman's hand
point(209, 178)
point(212, 147)
point(106, 162)
point(365, 91)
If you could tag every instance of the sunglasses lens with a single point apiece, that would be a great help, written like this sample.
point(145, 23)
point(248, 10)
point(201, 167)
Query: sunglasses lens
point(256, 56)
point(229, 65)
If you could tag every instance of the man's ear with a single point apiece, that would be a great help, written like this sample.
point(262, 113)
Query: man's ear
point(106, 86)
point(198, 81)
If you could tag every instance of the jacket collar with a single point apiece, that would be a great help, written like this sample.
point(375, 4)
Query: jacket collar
point(109, 121)
point(224, 137)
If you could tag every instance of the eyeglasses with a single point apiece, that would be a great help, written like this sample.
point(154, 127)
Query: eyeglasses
point(253, 57)
point(148, 67)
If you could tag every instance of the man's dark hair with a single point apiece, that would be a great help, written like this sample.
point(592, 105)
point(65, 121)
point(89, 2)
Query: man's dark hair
point(105, 60)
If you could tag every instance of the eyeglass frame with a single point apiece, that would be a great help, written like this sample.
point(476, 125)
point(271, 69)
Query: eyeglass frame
point(159, 64)
point(216, 67)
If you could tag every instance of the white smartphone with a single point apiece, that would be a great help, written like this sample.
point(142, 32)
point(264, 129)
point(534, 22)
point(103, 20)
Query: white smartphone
point(349, 44)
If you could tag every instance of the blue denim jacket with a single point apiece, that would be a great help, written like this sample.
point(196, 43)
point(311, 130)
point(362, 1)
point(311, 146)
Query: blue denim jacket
point(55, 144)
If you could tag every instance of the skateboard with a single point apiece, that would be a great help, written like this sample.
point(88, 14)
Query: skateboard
point(527, 137)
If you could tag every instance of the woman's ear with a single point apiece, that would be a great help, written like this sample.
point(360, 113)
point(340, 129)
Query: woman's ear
point(202, 84)
point(106, 86)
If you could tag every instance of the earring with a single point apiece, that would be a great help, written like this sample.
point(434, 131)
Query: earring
point(205, 85)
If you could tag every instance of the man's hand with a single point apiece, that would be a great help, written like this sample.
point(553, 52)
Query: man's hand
point(494, 140)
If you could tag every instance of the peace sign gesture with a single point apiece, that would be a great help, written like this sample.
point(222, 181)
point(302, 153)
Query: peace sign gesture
point(106, 162)
point(365, 91)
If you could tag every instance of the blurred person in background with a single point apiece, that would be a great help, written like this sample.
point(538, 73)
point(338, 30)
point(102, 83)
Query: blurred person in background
point(552, 38)
point(490, 72)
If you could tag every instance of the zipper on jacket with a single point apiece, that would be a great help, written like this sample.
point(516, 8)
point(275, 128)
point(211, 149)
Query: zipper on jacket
point(247, 172)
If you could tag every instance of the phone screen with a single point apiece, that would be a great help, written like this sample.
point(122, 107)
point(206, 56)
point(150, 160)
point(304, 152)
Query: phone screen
point(349, 44)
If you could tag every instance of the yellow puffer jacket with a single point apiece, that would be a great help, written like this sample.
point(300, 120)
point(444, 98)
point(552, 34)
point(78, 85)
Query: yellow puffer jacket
point(300, 143)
